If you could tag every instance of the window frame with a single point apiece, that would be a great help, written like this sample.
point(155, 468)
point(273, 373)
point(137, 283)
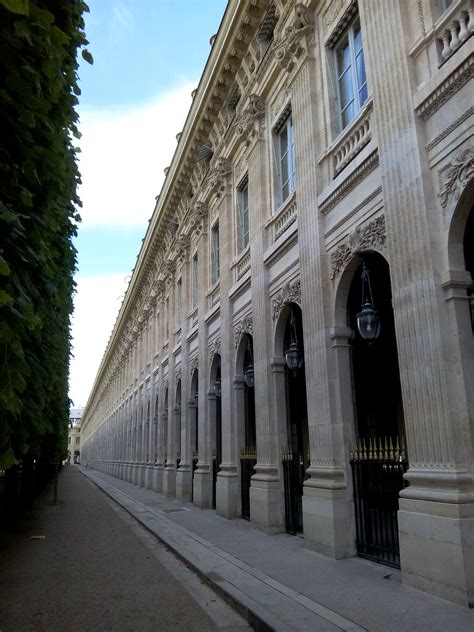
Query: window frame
point(215, 253)
point(285, 126)
point(243, 214)
point(347, 39)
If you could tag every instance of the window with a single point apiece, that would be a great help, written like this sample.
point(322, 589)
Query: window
point(243, 213)
point(215, 269)
point(285, 159)
point(194, 282)
point(69, 440)
point(78, 439)
point(179, 301)
point(350, 74)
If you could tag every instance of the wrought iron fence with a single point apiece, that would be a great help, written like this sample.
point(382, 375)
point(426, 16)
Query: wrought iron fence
point(248, 460)
point(378, 466)
point(294, 476)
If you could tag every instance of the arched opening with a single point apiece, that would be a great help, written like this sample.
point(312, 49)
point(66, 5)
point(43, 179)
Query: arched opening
point(147, 436)
point(194, 405)
point(378, 459)
point(248, 455)
point(165, 426)
point(155, 431)
point(177, 418)
point(468, 247)
point(217, 429)
point(296, 457)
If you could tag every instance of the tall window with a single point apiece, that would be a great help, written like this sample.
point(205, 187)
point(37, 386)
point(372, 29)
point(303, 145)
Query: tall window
point(194, 282)
point(350, 73)
point(285, 160)
point(179, 301)
point(243, 213)
point(215, 247)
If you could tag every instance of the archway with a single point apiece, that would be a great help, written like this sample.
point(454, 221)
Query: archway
point(296, 457)
point(246, 409)
point(468, 248)
point(193, 404)
point(378, 459)
point(177, 425)
point(216, 427)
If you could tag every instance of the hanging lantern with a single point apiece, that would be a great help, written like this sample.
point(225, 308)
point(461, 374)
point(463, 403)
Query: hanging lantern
point(293, 355)
point(368, 321)
point(249, 374)
point(217, 387)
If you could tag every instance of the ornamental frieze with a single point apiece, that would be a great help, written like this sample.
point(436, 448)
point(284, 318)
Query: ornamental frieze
point(290, 293)
point(249, 124)
point(218, 178)
point(214, 348)
point(456, 176)
point(193, 363)
point(371, 236)
point(245, 326)
point(296, 40)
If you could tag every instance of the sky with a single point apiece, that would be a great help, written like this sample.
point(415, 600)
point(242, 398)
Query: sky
point(148, 57)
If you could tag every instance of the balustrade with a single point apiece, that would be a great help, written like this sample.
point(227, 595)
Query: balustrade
point(454, 29)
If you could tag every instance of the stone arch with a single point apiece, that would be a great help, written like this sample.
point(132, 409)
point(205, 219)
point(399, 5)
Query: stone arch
point(462, 214)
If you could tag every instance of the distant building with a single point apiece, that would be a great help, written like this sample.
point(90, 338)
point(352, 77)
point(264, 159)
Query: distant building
point(74, 436)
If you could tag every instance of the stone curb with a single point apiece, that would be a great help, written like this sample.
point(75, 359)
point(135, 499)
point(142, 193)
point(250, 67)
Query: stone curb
point(225, 574)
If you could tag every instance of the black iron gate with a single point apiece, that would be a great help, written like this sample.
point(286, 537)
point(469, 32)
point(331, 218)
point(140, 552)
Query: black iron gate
point(194, 468)
point(248, 460)
point(294, 476)
point(378, 466)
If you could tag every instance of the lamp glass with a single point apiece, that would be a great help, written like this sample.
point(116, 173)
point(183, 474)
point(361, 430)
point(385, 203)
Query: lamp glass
point(249, 376)
point(217, 387)
point(368, 322)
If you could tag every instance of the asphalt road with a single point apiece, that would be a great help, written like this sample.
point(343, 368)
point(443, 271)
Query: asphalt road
point(85, 564)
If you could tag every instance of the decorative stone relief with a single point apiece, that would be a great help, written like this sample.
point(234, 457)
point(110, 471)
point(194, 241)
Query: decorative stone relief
point(371, 236)
point(249, 125)
point(296, 40)
point(245, 326)
point(164, 382)
point(193, 363)
point(290, 293)
point(177, 374)
point(217, 180)
point(456, 176)
point(214, 348)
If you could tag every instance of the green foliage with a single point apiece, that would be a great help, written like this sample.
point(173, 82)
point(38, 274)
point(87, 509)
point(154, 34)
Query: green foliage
point(39, 42)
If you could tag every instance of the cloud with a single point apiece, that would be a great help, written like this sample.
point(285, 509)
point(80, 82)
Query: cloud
point(123, 155)
point(97, 303)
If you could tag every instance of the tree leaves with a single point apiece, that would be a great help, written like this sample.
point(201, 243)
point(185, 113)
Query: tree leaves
point(38, 215)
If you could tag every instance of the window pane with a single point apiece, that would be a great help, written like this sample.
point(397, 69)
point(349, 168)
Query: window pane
point(348, 114)
point(284, 169)
point(357, 39)
point(343, 58)
point(346, 89)
point(283, 141)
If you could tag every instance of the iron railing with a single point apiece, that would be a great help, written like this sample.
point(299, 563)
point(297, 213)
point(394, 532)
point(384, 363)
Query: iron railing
point(378, 466)
point(294, 469)
point(248, 460)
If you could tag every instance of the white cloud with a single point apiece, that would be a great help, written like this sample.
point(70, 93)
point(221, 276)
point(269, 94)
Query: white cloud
point(123, 155)
point(96, 303)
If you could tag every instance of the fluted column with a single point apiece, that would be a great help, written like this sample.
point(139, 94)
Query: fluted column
point(169, 474)
point(228, 485)
point(436, 511)
point(266, 497)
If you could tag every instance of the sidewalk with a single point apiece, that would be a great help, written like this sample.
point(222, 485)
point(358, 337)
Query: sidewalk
point(277, 583)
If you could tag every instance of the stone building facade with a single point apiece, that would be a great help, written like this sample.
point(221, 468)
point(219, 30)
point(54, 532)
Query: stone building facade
point(296, 343)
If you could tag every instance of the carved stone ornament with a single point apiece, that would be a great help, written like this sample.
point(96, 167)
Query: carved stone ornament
point(164, 382)
point(244, 327)
point(290, 293)
point(177, 374)
point(296, 39)
point(214, 348)
point(248, 125)
point(372, 236)
point(455, 177)
point(193, 363)
point(217, 180)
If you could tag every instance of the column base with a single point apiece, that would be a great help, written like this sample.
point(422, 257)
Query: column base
point(437, 548)
point(202, 489)
point(328, 522)
point(184, 485)
point(228, 502)
point(149, 476)
point(158, 478)
point(141, 475)
point(169, 482)
point(267, 504)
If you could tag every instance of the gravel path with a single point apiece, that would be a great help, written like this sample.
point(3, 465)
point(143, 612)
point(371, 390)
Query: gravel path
point(84, 564)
